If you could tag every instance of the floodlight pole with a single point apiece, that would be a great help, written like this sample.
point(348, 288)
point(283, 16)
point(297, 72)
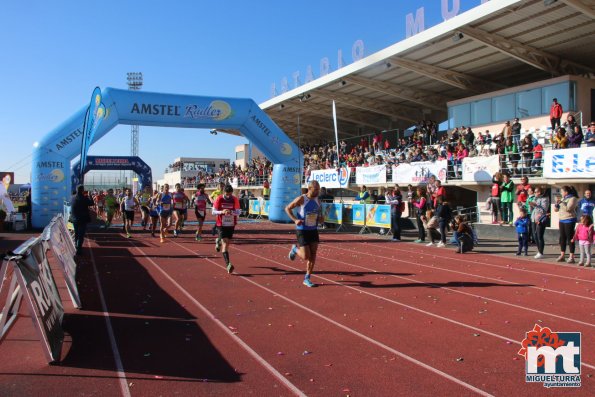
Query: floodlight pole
point(135, 83)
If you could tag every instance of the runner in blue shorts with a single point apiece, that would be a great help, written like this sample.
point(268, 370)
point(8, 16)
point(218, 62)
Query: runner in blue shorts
point(164, 205)
point(309, 216)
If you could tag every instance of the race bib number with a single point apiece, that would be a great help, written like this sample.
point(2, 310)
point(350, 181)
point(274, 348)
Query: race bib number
point(312, 219)
point(178, 206)
point(165, 207)
point(227, 220)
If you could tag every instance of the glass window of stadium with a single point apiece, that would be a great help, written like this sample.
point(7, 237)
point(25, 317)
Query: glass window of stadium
point(528, 103)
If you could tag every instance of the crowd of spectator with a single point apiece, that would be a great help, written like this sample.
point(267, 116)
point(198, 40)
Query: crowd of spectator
point(257, 172)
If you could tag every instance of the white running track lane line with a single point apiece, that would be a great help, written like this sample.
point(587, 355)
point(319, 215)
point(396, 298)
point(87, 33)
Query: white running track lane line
point(293, 388)
point(459, 272)
point(393, 248)
point(403, 304)
point(462, 292)
point(110, 331)
point(350, 330)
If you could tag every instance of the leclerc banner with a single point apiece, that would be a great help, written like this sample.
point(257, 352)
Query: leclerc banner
point(331, 178)
point(480, 169)
point(569, 163)
point(419, 172)
point(368, 175)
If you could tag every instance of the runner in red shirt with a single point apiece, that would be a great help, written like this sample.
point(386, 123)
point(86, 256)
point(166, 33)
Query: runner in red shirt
point(227, 208)
point(200, 208)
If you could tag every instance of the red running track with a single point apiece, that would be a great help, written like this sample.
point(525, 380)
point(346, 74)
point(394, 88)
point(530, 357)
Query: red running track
point(387, 319)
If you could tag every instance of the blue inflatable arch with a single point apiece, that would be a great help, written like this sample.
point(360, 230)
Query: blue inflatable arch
point(50, 177)
point(111, 163)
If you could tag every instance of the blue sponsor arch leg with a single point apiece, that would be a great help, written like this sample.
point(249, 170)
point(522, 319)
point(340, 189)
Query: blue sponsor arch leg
point(51, 173)
point(114, 163)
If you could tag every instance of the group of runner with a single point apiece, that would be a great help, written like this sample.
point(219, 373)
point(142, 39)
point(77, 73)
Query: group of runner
point(159, 207)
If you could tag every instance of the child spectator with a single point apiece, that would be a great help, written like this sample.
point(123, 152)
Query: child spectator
point(584, 235)
point(522, 229)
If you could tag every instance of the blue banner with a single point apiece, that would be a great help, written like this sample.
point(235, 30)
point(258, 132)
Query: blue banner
point(94, 116)
point(254, 207)
point(378, 215)
point(264, 208)
point(333, 213)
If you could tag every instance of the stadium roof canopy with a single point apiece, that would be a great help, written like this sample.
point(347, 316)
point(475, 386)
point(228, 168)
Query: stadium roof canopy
point(498, 44)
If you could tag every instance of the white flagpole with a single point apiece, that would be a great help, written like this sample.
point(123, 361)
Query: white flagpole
point(336, 134)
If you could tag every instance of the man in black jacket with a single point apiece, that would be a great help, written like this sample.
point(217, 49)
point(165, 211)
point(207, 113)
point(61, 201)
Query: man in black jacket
point(79, 216)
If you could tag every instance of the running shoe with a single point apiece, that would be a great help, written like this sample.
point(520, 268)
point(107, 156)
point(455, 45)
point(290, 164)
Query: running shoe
point(230, 268)
point(418, 241)
point(218, 245)
point(175, 233)
point(198, 237)
point(128, 235)
point(143, 223)
point(292, 252)
point(308, 283)
point(538, 256)
point(440, 245)
point(429, 244)
point(396, 239)
point(162, 239)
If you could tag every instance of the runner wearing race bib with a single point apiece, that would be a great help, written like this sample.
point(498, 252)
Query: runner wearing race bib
point(153, 212)
point(111, 205)
point(129, 204)
point(99, 204)
point(307, 220)
point(164, 205)
point(227, 209)
point(216, 193)
point(180, 202)
point(200, 201)
point(144, 199)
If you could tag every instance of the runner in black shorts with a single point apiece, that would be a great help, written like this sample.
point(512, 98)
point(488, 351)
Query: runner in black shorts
point(227, 209)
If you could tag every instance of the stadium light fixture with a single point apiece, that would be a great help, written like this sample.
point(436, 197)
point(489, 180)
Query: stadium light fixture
point(457, 37)
point(213, 132)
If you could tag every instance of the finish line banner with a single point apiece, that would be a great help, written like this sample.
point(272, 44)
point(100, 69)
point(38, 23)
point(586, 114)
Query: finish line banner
point(569, 163)
point(419, 172)
point(368, 175)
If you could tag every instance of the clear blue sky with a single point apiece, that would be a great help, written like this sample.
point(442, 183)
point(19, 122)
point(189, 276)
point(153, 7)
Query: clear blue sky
point(55, 52)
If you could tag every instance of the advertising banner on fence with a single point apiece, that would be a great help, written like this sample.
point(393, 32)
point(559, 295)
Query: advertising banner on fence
point(264, 207)
point(368, 175)
point(331, 178)
point(480, 169)
point(333, 213)
point(419, 172)
point(378, 215)
point(569, 163)
point(63, 250)
point(358, 214)
point(43, 296)
point(254, 207)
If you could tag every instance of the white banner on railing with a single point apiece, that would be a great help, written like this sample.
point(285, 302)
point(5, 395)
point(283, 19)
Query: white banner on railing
point(480, 169)
point(331, 178)
point(569, 163)
point(419, 172)
point(374, 174)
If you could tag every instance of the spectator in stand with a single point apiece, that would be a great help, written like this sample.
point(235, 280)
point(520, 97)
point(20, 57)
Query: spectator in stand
point(495, 196)
point(586, 205)
point(512, 153)
point(522, 192)
point(507, 130)
point(506, 196)
point(575, 136)
point(487, 137)
point(527, 149)
point(570, 123)
point(566, 207)
point(395, 199)
point(420, 206)
point(539, 216)
point(590, 136)
point(386, 144)
point(516, 132)
point(537, 157)
point(560, 140)
point(555, 114)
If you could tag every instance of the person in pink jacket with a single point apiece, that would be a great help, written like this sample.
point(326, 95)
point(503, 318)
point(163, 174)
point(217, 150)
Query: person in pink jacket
point(584, 235)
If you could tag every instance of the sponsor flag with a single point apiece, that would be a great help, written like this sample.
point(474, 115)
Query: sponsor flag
point(336, 134)
point(94, 117)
